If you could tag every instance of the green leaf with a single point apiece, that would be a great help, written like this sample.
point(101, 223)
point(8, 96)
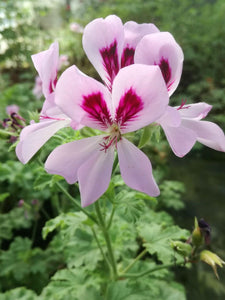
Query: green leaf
point(145, 136)
point(157, 239)
point(130, 205)
point(72, 284)
point(13, 220)
point(20, 293)
point(66, 220)
point(170, 194)
point(44, 180)
point(145, 289)
point(3, 196)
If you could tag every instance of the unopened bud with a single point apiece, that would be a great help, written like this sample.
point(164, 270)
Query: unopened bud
point(197, 236)
point(182, 248)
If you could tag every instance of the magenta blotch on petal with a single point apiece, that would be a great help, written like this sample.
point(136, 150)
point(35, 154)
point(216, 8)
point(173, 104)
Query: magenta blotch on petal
point(96, 107)
point(127, 57)
point(129, 107)
point(165, 69)
point(161, 49)
point(110, 61)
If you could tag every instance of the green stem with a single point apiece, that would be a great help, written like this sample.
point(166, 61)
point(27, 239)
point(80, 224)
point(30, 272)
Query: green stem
point(115, 164)
point(134, 261)
point(45, 213)
point(76, 204)
point(100, 247)
point(137, 275)
point(111, 218)
point(107, 239)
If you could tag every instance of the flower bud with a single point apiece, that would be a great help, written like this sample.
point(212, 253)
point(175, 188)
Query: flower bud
point(212, 259)
point(197, 236)
point(182, 248)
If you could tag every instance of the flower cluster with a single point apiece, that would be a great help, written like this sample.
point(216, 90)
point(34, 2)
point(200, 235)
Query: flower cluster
point(141, 68)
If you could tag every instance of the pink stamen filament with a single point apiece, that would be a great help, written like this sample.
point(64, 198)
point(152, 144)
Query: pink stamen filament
point(183, 102)
point(50, 118)
point(109, 141)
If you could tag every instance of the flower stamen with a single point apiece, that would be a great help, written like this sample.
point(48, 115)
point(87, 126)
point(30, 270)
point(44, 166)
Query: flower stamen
point(183, 102)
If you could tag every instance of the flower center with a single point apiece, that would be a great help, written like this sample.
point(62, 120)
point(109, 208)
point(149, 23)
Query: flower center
point(111, 139)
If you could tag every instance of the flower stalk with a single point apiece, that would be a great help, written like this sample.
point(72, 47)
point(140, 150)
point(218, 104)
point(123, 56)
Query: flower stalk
point(107, 239)
point(75, 203)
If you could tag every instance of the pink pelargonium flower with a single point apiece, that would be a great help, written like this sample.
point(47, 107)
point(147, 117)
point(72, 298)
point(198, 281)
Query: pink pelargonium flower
point(110, 45)
point(192, 128)
point(161, 49)
point(139, 97)
point(34, 136)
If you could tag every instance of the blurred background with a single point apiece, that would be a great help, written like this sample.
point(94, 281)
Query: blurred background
point(28, 27)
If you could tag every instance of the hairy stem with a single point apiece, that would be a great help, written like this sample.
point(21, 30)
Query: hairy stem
point(160, 267)
point(111, 217)
point(107, 239)
point(134, 261)
point(76, 204)
point(100, 248)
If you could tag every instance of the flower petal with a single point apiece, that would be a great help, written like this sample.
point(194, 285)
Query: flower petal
point(94, 176)
point(83, 99)
point(139, 96)
point(133, 34)
point(66, 159)
point(136, 169)
point(46, 63)
point(181, 139)
point(171, 117)
point(161, 49)
point(195, 111)
point(208, 133)
point(34, 136)
point(103, 43)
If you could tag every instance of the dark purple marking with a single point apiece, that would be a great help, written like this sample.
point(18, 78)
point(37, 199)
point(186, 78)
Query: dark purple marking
point(129, 107)
point(127, 57)
point(110, 61)
point(95, 105)
point(165, 69)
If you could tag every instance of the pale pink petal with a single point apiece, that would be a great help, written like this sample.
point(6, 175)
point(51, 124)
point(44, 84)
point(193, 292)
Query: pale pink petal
point(136, 169)
point(134, 32)
point(103, 43)
point(208, 133)
point(171, 117)
point(10, 109)
point(195, 111)
point(46, 63)
point(34, 136)
point(94, 175)
point(181, 139)
point(161, 49)
point(48, 104)
point(139, 96)
point(83, 99)
point(66, 159)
